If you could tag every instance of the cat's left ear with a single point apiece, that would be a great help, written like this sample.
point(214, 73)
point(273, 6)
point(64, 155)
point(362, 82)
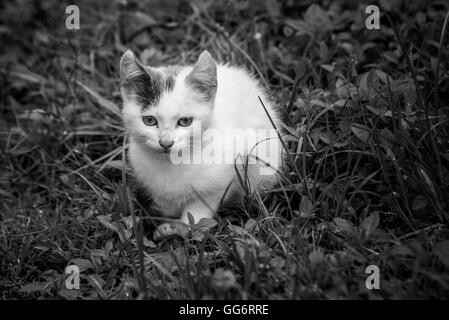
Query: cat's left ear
point(203, 77)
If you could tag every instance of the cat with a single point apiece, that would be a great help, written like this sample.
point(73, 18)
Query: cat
point(162, 108)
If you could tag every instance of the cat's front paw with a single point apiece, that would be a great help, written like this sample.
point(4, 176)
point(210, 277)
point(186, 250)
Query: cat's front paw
point(170, 229)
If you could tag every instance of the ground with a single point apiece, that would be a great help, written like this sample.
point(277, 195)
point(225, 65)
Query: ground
point(366, 181)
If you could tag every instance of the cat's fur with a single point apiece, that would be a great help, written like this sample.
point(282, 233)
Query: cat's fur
point(221, 97)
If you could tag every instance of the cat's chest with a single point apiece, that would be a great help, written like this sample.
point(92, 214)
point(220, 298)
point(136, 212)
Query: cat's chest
point(168, 179)
point(164, 179)
point(175, 180)
point(159, 176)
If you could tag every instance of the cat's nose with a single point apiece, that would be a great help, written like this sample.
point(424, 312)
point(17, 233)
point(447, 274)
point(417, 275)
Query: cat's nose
point(166, 144)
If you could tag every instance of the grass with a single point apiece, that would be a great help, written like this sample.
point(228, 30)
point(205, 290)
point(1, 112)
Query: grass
point(366, 113)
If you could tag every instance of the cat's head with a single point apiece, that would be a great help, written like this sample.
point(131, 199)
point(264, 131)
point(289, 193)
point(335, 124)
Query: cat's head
point(161, 105)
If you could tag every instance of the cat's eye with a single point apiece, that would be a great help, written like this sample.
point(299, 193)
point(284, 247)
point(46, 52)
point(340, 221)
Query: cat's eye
point(149, 120)
point(185, 122)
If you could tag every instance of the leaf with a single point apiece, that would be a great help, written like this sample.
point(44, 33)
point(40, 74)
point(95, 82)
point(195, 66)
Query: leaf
point(442, 251)
point(317, 19)
point(382, 76)
point(166, 261)
point(299, 26)
point(83, 264)
point(145, 18)
point(373, 82)
point(419, 202)
point(386, 138)
point(108, 246)
point(99, 253)
point(343, 225)
point(377, 109)
point(316, 257)
point(96, 281)
point(206, 224)
point(237, 230)
point(34, 286)
point(370, 224)
point(65, 179)
point(252, 224)
point(305, 207)
point(105, 103)
point(105, 220)
point(129, 222)
point(362, 132)
point(148, 243)
point(344, 90)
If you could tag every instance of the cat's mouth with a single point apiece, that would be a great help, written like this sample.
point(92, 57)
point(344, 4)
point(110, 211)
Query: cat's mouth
point(164, 151)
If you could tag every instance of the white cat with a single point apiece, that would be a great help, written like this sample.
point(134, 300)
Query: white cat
point(163, 106)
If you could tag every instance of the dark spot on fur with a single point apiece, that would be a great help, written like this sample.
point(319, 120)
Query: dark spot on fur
point(170, 73)
point(146, 88)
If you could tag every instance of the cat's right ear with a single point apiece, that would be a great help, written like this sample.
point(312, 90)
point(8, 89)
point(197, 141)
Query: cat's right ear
point(130, 68)
point(136, 80)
